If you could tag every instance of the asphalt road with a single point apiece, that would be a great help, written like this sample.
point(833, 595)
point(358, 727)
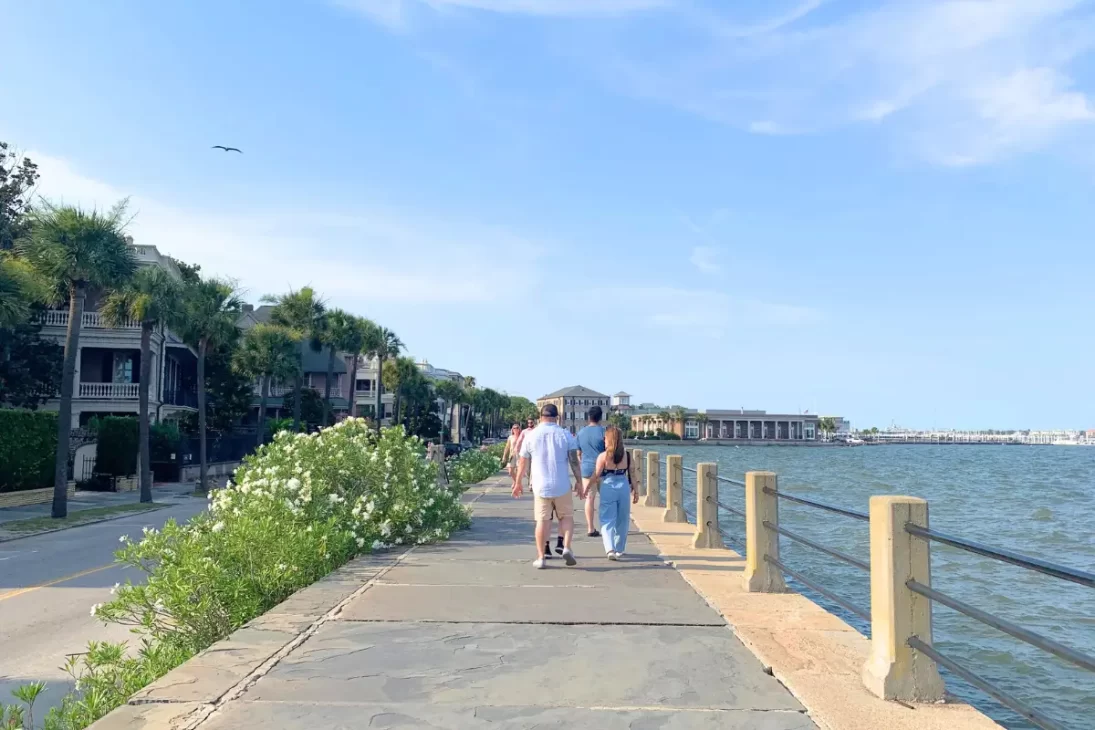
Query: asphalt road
point(48, 585)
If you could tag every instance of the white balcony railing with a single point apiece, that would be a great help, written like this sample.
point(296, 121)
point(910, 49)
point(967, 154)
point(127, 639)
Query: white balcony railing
point(90, 320)
point(277, 390)
point(109, 391)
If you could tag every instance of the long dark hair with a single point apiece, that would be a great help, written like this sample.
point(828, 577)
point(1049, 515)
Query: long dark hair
point(614, 444)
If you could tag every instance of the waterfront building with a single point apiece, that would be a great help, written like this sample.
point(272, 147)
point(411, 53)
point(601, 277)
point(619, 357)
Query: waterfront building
point(730, 425)
point(108, 360)
point(574, 404)
point(621, 403)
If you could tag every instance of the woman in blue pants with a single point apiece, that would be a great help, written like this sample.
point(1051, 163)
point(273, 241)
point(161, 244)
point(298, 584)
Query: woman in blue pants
point(613, 471)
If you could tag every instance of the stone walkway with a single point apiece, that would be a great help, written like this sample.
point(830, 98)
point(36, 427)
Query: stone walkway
point(466, 634)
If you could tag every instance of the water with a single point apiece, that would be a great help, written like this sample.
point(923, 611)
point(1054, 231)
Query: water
point(1036, 500)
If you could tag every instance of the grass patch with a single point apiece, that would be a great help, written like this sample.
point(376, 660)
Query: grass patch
point(79, 517)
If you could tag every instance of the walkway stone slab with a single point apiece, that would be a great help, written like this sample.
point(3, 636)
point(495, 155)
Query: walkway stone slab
point(411, 716)
point(669, 667)
point(653, 574)
point(490, 604)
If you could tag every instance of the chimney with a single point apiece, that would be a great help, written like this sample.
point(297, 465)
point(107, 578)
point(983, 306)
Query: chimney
point(248, 308)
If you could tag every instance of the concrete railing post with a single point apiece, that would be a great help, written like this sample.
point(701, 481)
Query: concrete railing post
point(637, 469)
point(653, 496)
point(707, 507)
point(674, 490)
point(760, 575)
point(894, 671)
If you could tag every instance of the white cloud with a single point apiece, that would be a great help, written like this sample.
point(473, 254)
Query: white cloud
point(356, 256)
point(953, 79)
point(706, 259)
point(707, 312)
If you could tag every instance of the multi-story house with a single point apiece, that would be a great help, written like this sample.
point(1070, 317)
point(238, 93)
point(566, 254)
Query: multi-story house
point(573, 404)
point(457, 414)
point(734, 424)
point(108, 364)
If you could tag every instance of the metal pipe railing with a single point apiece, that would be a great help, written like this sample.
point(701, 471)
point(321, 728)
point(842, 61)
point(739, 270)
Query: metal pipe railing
point(735, 482)
point(1055, 570)
point(819, 547)
point(854, 514)
point(862, 613)
point(1079, 658)
point(1031, 714)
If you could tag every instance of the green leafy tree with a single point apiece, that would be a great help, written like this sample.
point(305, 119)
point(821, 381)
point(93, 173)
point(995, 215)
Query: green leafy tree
point(827, 424)
point(303, 313)
point(210, 311)
point(267, 353)
point(18, 176)
point(30, 368)
point(519, 409)
point(620, 421)
point(311, 407)
point(152, 297)
point(73, 250)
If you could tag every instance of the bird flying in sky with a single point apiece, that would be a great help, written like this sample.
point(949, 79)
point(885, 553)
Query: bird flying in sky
point(227, 149)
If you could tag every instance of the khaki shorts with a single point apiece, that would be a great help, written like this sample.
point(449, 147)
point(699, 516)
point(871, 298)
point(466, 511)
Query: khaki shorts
point(586, 481)
point(562, 507)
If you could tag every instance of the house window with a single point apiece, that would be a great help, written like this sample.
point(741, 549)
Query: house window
point(123, 368)
point(691, 430)
point(364, 386)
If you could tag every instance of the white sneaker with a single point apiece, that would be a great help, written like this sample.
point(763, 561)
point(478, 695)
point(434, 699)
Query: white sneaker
point(619, 555)
point(538, 563)
point(612, 555)
point(568, 556)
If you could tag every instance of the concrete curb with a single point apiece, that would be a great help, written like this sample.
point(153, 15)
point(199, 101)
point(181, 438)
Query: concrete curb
point(815, 655)
point(109, 518)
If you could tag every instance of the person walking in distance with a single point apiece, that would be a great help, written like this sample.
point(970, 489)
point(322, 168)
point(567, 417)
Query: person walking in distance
point(613, 471)
point(550, 452)
point(509, 454)
point(591, 444)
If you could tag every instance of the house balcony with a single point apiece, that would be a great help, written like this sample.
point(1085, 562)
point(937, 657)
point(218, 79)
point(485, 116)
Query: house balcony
point(181, 398)
point(108, 391)
point(90, 320)
point(279, 391)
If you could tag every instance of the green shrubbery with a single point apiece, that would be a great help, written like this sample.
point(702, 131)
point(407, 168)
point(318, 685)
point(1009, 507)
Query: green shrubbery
point(300, 507)
point(28, 446)
point(119, 442)
point(471, 467)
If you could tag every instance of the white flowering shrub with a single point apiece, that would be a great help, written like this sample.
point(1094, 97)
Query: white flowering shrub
point(300, 507)
point(472, 467)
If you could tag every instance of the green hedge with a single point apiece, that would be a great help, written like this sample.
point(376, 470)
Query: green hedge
point(119, 442)
point(28, 446)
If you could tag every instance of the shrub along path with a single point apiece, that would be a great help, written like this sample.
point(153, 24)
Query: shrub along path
point(465, 634)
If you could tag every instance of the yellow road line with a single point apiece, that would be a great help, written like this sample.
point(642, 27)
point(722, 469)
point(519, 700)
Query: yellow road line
point(47, 584)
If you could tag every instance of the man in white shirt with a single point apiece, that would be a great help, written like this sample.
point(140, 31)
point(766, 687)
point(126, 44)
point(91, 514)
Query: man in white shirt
point(551, 452)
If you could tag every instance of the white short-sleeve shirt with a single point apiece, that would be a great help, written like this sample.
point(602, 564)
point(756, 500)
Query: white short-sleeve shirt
point(547, 448)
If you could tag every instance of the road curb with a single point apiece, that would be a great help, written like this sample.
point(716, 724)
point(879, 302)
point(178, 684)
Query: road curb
point(109, 518)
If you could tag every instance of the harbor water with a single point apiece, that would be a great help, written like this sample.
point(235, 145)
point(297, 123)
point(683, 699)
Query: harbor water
point(1038, 500)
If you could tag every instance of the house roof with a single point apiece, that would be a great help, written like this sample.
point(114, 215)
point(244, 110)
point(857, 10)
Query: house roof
point(577, 391)
point(316, 362)
point(622, 394)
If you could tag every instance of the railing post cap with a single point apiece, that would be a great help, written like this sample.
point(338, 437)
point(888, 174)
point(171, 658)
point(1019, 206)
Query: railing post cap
point(888, 499)
point(761, 473)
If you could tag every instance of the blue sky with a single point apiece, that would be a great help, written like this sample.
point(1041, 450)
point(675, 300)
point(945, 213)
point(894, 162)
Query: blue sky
point(879, 210)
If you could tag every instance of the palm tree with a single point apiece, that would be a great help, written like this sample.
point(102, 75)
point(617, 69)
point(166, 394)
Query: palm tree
point(449, 392)
point(369, 343)
point(151, 297)
point(210, 310)
point(345, 333)
point(703, 419)
point(679, 414)
point(20, 287)
point(399, 376)
point(268, 353)
point(664, 418)
point(74, 250)
point(304, 313)
point(389, 345)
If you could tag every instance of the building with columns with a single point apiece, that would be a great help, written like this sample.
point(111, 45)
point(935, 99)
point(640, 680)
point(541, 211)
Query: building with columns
point(731, 425)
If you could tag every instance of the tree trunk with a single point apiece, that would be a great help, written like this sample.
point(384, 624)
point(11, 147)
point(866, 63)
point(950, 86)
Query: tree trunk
point(260, 429)
point(298, 385)
point(145, 462)
point(64, 409)
point(379, 391)
point(353, 389)
point(395, 408)
point(327, 388)
point(203, 473)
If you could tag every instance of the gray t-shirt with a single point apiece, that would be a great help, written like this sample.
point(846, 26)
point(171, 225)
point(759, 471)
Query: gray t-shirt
point(547, 447)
